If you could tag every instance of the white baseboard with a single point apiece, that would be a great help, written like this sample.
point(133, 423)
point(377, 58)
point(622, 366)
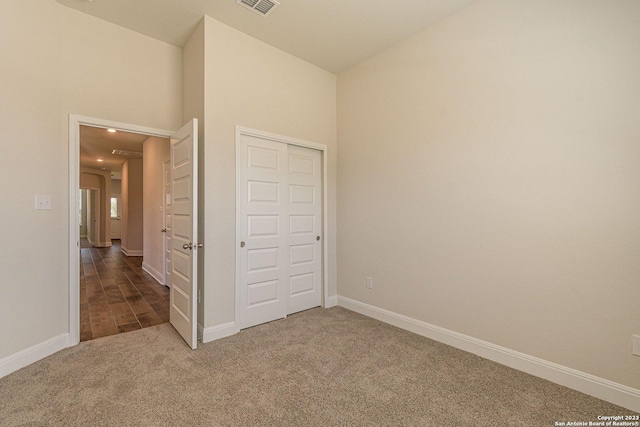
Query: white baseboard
point(131, 252)
point(153, 272)
point(32, 354)
point(216, 332)
point(331, 301)
point(102, 244)
point(601, 388)
point(83, 236)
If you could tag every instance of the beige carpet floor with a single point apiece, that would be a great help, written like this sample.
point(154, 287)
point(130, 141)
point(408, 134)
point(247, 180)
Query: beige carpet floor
point(317, 368)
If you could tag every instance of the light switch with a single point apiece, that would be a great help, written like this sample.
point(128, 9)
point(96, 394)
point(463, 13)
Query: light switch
point(43, 201)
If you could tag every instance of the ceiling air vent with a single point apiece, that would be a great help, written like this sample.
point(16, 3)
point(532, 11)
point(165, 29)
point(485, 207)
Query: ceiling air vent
point(261, 7)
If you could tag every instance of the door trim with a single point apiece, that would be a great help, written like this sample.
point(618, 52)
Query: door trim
point(75, 121)
point(241, 130)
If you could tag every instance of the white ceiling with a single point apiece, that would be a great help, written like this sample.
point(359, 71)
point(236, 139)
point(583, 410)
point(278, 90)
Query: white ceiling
point(332, 34)
point(98, 143)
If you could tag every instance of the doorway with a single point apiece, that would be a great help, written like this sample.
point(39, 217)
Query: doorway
point(115, 212)
point(120, 287)
point(182, 147)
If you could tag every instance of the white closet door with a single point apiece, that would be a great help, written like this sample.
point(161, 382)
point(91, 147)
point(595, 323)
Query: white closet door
point(262, 230)
point(279, 229)
point(304, 230)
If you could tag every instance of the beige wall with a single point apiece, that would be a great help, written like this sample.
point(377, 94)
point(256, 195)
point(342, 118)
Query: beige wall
point(90, 180)
point(250, 83)
point(489, 180)
point(193, 71)
point(132, 207)
point(56, 61)
point(155, 151)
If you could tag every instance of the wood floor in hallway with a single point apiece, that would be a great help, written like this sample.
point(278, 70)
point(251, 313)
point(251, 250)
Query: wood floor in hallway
point(117, 295)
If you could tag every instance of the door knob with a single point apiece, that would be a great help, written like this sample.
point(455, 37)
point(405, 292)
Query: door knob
point(164, 230)
point(187, 246)
point(318, 238)
point(199, 246)
point(242, 244)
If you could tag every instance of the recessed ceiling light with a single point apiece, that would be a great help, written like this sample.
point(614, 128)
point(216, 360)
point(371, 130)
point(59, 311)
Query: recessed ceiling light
point(112, 130)
point(100, 160)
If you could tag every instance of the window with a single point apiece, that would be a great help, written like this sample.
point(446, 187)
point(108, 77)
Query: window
point(114, 207)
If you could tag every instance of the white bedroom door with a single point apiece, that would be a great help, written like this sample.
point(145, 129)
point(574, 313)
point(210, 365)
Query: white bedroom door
point(184, 208)
point(279, 221)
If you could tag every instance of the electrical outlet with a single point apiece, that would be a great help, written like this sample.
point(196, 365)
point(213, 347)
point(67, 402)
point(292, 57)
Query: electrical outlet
point(636, 345)
point(369, 282)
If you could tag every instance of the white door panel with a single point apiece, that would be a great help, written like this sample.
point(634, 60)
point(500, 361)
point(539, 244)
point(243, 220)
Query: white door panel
point(263, 225)
point(182, 231)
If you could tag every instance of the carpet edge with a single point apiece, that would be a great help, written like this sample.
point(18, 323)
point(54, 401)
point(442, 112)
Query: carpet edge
point(583, 382)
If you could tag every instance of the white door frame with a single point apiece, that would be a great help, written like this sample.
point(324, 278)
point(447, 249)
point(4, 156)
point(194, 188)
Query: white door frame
point(75, 121)
point(241, 130)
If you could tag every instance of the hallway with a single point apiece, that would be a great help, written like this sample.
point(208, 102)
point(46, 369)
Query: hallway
point(116, 294)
